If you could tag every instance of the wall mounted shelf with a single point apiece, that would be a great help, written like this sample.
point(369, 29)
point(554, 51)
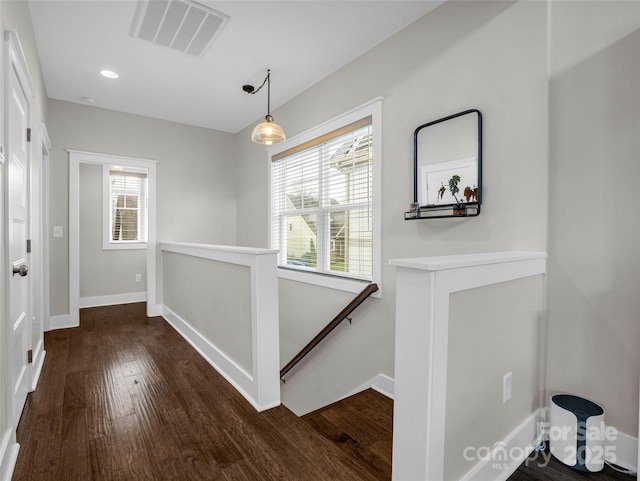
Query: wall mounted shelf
point(447, 173)
point(472, 209)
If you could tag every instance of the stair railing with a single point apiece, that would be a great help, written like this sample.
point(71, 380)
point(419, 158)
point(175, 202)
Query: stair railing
point(342, 315)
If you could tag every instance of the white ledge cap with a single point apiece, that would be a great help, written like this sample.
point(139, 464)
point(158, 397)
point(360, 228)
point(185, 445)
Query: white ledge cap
point(181, 246)
point(440, 263)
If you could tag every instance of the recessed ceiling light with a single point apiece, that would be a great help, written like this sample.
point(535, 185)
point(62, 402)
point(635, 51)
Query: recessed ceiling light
point(89, 100)
point(109, 74)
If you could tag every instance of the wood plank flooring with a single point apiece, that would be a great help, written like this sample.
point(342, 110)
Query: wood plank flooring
point(544, 467)
point(360, 425)
point(124, 397)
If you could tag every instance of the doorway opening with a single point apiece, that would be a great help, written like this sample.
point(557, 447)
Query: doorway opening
point(77, 161)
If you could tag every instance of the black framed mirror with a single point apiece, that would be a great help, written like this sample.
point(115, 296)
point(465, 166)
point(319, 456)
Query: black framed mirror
point(447, 167)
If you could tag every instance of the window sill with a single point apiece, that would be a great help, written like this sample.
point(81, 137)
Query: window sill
point(124, 246)
point(326, 280)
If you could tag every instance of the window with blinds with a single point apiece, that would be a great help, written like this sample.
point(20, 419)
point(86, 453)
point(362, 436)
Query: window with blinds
point(322, 203)
point(128, 204)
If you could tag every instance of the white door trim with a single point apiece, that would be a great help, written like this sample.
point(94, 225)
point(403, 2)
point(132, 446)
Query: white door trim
point(43, 147)
point(76, 158)
point(18, 61)
point(45, 159)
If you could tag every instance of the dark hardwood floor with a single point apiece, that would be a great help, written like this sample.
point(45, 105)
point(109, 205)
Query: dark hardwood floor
point(124, 397)
point(544, 467)
point(362, 426)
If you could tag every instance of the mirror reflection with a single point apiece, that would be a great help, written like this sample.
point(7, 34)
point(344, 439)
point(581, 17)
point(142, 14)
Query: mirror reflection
point(447, 165)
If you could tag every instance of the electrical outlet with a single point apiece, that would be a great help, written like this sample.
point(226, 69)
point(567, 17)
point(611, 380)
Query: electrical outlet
point(138, 277)
point(506, 387)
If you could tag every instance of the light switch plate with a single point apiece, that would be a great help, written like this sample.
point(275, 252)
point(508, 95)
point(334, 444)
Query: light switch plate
point(57, 231)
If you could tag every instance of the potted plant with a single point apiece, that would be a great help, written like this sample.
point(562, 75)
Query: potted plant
point(460, 209)
point(470, 193)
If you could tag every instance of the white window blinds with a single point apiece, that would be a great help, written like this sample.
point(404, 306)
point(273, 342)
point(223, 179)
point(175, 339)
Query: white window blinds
point(322, 203)
point(128, 207)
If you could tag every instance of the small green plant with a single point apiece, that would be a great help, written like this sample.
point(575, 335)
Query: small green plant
point(469, 193)
point(453, 188)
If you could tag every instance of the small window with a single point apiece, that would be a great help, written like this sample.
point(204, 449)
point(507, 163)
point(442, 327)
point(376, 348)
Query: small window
point(324, 201)
point(126, 206)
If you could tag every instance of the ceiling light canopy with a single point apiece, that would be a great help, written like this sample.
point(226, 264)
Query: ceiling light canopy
point(268, 132)
point(109, 73)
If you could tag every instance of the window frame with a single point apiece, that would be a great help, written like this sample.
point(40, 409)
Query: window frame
point(341, 282)
point(107, 242)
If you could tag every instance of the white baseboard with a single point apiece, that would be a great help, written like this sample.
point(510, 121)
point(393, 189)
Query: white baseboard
point(506, 455)
point(8, 455)
point(626, 451)
point(61, 322)
point(38, 362)
point(111, 300)
point(238, 377)
point(381, 383)
point(155, 310)
point(384, 385)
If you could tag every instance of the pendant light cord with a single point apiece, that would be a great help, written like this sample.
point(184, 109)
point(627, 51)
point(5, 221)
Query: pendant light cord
point(267, 80)
point(266, 132)
point(255, 91)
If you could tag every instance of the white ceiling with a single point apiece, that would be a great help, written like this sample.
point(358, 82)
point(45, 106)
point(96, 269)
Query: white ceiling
point(300, 41)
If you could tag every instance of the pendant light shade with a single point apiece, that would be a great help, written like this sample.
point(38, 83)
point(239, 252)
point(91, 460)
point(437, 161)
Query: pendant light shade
point(268, 132)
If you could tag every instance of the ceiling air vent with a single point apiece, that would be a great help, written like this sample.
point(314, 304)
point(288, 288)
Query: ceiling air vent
point(182, 25)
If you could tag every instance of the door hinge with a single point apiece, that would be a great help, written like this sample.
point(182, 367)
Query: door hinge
point(28, 246)
point(30, 356)
point(28, 134)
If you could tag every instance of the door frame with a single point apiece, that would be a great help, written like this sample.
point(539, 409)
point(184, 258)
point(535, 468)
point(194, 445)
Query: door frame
point(15, 62)
point(44, 148)
point(45, 160)
point(76, 158)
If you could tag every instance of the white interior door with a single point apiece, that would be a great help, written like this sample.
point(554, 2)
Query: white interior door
point(19, 288)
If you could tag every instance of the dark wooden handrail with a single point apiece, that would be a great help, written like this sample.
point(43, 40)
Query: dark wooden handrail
point(344, 313)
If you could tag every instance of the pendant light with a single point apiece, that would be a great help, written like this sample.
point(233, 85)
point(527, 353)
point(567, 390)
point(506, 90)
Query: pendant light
point(268, 132)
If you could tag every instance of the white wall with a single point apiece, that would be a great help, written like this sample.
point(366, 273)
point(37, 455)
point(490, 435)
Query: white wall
point(103, 272)
point(489, 337)
point(594, 236)
point(195, 176)
point(486, 55)
point(214, 298)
